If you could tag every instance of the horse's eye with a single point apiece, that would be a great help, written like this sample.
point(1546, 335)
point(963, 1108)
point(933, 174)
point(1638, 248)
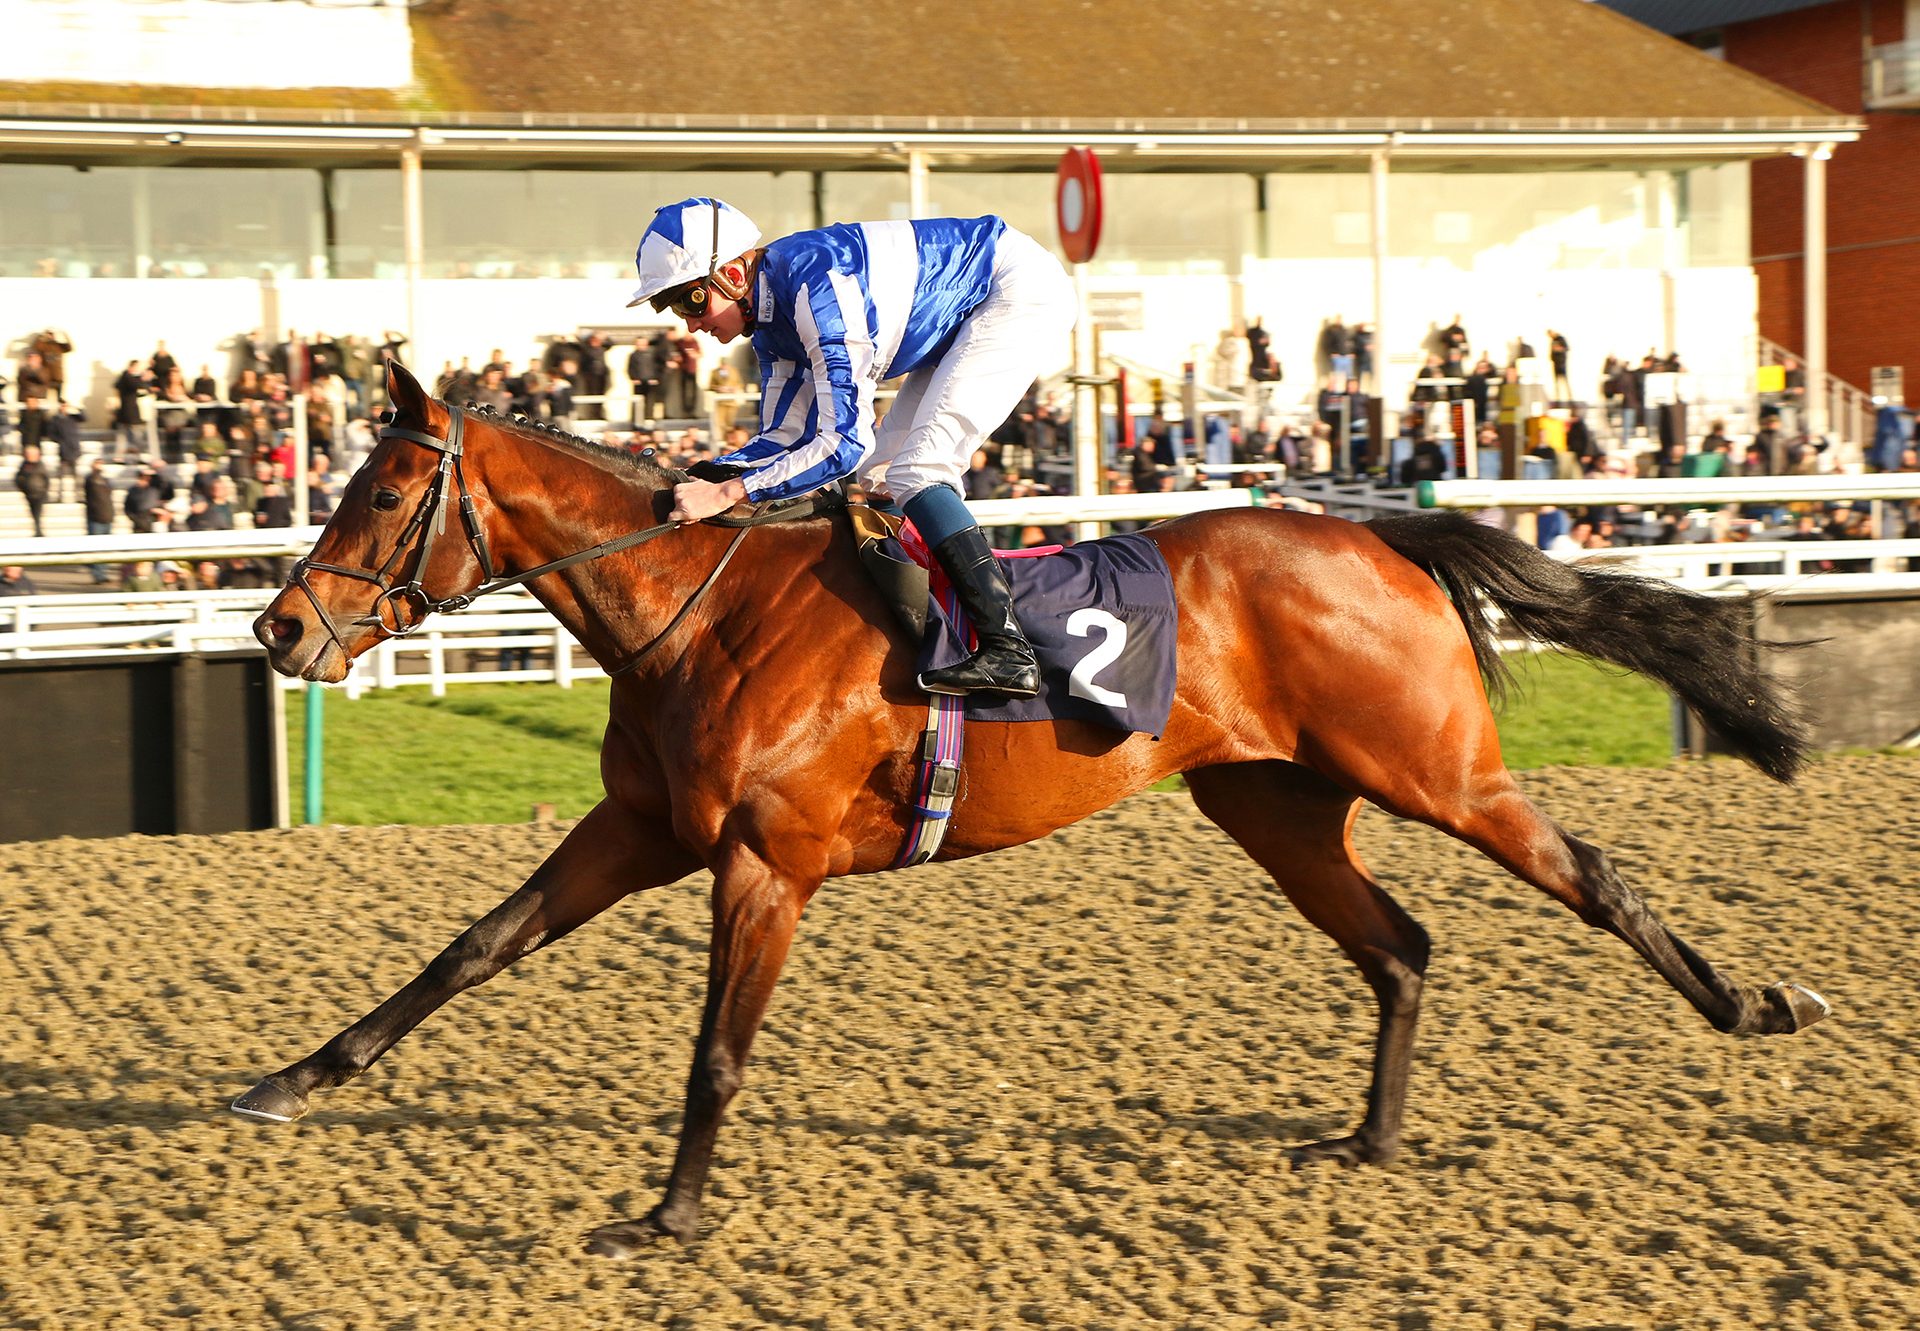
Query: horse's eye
point(386, 499)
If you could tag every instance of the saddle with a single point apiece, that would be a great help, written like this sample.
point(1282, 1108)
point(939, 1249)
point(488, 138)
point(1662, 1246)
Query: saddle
point(905, 584)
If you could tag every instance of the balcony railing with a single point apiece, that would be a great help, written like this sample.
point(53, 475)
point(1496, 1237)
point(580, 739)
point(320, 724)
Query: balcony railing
point(1893, 77)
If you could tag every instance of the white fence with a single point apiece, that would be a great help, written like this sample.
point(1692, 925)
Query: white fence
point(471, 645)
point(84, 624)
point(1789, 568)
point(468, 645)
point(254, 543)
point(1664, 492)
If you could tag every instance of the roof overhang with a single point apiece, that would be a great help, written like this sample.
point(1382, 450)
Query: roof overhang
point(1422, 145)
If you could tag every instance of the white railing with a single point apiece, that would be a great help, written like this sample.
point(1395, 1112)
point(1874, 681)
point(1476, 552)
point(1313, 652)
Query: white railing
point(1058, 510)
point(1751, 564)
point(1661, 493)
point(1849, 409)
point(91, 624)
point(1352, 498)
point(1893, 76)
point(282, 542)
point(83, 624)
point(253, 543)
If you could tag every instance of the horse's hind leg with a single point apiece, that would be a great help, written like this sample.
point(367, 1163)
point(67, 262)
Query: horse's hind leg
point(608, 855)
point(1298, 826)
point(1507, 826)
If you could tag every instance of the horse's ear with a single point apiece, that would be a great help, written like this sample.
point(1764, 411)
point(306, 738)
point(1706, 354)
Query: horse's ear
point(405, 392)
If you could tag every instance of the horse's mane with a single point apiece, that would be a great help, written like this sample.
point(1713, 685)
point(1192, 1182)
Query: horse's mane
point(652, 475)
point(639, 465)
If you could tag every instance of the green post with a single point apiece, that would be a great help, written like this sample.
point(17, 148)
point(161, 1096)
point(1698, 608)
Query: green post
point(316, 748)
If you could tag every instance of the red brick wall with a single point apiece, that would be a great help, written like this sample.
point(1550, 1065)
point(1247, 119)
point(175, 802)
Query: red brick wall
point(1873, 193)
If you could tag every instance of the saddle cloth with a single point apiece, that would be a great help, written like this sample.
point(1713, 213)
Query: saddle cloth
point(1100, 616)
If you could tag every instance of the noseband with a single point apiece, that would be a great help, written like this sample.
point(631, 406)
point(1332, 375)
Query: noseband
point(430, 520)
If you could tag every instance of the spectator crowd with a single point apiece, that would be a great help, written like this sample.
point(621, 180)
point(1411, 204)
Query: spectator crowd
point(210, 452)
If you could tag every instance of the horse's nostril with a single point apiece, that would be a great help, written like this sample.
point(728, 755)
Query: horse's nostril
point(284, 630)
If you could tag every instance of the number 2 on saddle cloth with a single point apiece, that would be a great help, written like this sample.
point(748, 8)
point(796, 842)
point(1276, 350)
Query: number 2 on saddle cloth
point(1101, 619)
point(1100, 616)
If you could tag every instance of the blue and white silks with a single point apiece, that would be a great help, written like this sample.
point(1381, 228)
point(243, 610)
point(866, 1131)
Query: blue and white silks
point(958, 306)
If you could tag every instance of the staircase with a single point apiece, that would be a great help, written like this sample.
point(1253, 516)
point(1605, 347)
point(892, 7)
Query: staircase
point(1849, 409)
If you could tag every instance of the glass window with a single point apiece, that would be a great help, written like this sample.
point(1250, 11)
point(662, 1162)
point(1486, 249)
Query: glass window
point(1175, 224)
point(1496, 220)
point(1157, 224)
point(539, 223)
point(1024, 199)
point(369, 235)
point(1318, 215)
point(1715, 206)
point(222, 222)
point(863, 196)
point(58, 221)
point(185, 221)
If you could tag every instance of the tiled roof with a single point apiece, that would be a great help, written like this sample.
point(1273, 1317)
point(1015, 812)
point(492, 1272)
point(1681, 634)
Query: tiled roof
point(1076, 60)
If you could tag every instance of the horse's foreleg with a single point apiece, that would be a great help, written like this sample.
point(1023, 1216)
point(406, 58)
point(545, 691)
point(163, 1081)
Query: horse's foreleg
point(608, 855)
point(1507, 827)
point(1298, 826)
point(755, 912)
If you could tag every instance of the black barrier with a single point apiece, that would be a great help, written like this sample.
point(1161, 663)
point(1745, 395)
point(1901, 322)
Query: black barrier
point(107, 745)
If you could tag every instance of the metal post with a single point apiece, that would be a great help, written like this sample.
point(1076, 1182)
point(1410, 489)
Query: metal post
point(143, 222)
point(282, 795)
point(1667, 210)
point(302, 514)
point(412, 214)
point(322, 230)
point(1815, 314)
point(917, 172)
point(1086, 406)
point(316, 749)
point(1389, 418)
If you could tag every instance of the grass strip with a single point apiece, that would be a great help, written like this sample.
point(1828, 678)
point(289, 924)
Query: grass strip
point(486, 753)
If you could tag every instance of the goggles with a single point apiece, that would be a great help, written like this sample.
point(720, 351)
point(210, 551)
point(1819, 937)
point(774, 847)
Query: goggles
point(688, 301)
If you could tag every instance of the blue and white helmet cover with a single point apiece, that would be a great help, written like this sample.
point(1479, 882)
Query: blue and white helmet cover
point(683, 244)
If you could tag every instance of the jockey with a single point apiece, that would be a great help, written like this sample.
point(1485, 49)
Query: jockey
point(960, 307)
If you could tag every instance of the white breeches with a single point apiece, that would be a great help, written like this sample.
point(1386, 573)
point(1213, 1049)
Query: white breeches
point(945, 410)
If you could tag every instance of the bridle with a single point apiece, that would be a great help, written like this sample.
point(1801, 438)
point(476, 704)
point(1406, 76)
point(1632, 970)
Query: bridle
point(430, 520)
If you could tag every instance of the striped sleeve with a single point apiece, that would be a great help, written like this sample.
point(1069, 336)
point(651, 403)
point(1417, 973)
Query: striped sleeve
point(833, 326)
point(787, 415)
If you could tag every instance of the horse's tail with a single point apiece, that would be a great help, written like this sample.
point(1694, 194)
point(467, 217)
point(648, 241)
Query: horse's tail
point(1702, 648)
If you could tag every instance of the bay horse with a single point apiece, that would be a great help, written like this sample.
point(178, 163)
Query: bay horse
point(767, 731)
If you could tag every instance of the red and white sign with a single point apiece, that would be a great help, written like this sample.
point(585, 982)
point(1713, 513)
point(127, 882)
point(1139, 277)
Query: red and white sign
point(1077, 203)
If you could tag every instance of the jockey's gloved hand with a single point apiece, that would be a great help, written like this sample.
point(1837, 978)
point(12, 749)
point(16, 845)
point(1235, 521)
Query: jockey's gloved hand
point(715, 471)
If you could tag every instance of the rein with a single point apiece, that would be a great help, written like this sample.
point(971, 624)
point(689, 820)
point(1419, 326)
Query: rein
point(430, 520)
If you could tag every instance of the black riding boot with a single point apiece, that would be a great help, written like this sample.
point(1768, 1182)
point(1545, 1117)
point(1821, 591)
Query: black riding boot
point(1004, 661)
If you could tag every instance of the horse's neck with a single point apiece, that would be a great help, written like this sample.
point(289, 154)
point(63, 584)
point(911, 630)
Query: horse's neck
point(556, 503)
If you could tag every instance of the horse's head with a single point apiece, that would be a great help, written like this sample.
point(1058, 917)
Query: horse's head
point(395, 549)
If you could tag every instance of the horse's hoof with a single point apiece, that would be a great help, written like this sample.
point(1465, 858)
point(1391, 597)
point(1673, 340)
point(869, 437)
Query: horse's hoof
point(1353, 1150)
point(627, 1239)
point(274, 1100)
point(1802, 1006)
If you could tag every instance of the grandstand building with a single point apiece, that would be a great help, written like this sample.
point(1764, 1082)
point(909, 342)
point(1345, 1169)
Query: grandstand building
point(1862, 56)
point(476, 175)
